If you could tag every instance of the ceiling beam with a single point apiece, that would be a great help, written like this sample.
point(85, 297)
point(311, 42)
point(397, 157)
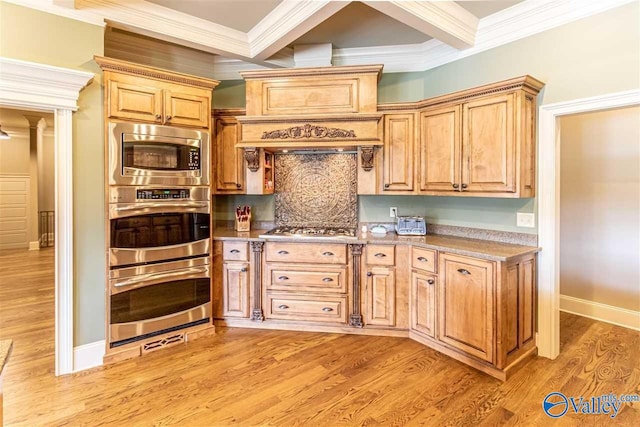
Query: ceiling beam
point(445, 21)
point(287, 22)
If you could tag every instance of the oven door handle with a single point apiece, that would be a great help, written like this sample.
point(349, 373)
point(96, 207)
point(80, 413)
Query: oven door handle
point(155, 278)
point(159, 205)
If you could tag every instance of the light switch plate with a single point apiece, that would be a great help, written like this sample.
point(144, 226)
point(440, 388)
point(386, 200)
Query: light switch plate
point(526, 220)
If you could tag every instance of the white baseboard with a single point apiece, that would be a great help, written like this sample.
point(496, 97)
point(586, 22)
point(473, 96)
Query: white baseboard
point(88, 356)
point(34, 246)
point(606, 313)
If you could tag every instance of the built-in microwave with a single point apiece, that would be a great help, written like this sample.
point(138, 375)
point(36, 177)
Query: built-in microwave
point(147, 154)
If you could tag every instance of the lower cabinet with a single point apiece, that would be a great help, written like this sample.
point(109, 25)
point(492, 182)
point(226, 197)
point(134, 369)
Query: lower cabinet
point(423, 298)
point(235, 289)
point(466, 309)
point(380, 296)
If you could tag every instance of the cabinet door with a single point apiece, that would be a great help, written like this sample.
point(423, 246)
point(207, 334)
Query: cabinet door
point(466, 301)
point(423, 297)
point(134, 102)
point(229, 166)
point(235, 289)
point(380, 297)
point(186, 109)
point(440, 149)
point(488, 145)
point(399, 140)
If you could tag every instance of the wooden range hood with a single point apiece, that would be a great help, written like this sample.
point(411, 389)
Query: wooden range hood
point(312, 109)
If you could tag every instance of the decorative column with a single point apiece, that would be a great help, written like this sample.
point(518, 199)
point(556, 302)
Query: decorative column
point(256, 311)
point(355, 318)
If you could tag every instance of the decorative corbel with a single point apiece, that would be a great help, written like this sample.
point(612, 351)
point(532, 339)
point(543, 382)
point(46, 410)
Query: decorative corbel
point(366, 157)
point(252, 156)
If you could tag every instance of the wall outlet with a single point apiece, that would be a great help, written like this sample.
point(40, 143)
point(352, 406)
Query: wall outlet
point(526, 220)
point(393, 212)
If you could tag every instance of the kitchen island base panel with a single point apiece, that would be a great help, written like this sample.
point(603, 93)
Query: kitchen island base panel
point(139, 348)
point(500, 374)
point(309, 327)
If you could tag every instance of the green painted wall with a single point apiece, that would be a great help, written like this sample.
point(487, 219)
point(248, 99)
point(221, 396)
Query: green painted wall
point(35, 36)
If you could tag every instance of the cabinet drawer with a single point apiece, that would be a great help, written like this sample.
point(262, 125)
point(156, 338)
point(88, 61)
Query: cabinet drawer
point(319, 253)
point(306, 278)
point(306, 308)
point(381, 255)
point(235, 251)
point(423, 259)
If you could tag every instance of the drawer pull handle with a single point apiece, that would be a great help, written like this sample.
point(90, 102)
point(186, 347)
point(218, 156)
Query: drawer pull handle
point(327, 253)
point(283, 252)
point(169, 118)
point(431, 281)
point(422, 259)
point(327, 309)
point(464, 271)
point(283, 278)
point(327, 279)
point(244, 270)
point(158, 116)
point(234, 251)
point(283, 307)
point(380, 255)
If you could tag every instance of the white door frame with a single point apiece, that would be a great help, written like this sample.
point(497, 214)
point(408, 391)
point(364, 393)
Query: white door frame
point(548, 340)
point(32, 86)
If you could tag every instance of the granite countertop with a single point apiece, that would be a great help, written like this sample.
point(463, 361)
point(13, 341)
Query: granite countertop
point(484, 249)
point(5, 351)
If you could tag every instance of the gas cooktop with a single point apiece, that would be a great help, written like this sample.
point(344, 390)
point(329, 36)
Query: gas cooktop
point(288, 232)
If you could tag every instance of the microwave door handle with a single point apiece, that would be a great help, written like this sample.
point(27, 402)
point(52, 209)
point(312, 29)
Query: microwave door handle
point(138, 280)
point(159, 205)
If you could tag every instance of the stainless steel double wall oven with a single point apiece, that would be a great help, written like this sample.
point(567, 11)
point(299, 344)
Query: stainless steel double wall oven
point(160, 237)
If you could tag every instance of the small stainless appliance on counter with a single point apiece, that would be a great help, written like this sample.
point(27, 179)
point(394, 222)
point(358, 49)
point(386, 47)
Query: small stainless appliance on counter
point(411, 226)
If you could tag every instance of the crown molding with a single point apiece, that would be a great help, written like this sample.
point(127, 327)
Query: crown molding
point(287, 22)
point(40, 86)
point(61, 9)
point(446, 21)
point(522, 20)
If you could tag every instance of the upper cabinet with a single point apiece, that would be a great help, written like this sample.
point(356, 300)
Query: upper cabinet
point(399, 147)
point(479, 142)
point(228, 161)
point(146, 94)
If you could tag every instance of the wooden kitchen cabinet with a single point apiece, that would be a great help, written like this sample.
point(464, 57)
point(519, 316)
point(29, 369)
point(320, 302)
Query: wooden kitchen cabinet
point(466, 305)
point(228, 162)
point(440, 149)
point(423, 298)
point(235, 289)
point(399, 147)
point(380, 286)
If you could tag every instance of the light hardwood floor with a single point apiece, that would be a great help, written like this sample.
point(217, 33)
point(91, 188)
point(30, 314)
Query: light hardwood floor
point(259, 377)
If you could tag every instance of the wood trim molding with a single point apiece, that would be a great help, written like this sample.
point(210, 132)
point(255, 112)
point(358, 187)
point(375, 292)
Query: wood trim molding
point(548, 339)
point(110, 64)
point(252, 156)
point(256, 312)
point(28, 85)
point(355, 318)
point(313, 72)
point(367, 157)
point(603, 312)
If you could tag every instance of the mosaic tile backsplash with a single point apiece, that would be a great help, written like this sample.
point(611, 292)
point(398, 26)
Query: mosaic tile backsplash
point(316, 190)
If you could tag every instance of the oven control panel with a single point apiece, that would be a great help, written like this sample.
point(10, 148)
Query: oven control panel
point(194, 159)
point(162, 193)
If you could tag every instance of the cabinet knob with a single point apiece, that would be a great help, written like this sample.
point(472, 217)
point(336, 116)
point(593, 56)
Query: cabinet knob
point(380, 255)
point(234, 251)
point(386, 186)
point(369, 274)
point(464, 271)
point(283, 307)
point(422, 259)
point(430, 281)
point(168, 118)
point(283, 253)
point(327, 253)
point(158, 116)
point(327, 309)
point(455, 185)
point(464, 186)
point(327, 279)
point(244, 270)
point(283, 278)
point(238, 185)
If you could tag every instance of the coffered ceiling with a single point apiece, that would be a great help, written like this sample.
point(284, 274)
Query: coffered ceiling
point(232, 35)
